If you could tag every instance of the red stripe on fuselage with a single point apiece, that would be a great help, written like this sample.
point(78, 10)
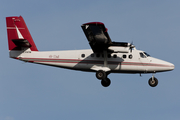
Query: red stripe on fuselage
point(36, 60)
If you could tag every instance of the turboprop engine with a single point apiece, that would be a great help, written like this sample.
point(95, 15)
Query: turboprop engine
point(121, 47)
point(118, 49)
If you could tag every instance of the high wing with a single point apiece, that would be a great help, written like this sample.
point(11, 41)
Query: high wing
point(97, 36)
point(99, 39)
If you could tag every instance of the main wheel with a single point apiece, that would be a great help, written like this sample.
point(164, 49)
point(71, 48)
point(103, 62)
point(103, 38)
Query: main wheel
point(153, 82)
point(100, 74)
point(105, 82)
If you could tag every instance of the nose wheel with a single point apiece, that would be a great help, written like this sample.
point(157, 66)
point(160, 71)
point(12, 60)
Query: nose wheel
point(153, 82)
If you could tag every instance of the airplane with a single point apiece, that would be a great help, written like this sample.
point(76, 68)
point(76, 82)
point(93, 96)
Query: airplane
point(104, 57)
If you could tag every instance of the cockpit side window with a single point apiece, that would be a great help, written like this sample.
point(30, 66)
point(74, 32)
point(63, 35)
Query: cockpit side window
point(142, 55)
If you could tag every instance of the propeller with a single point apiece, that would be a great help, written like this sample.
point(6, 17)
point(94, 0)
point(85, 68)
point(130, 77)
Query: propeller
point(131, 46)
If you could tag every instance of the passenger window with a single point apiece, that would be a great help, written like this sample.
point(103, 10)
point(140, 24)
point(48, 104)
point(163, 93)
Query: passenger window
point(114, 56)
point(103, 55)
point(92, 55)
point(82, 55)
point(124, 56)
point(130, 56)
point(109, 55)
point(98, 55)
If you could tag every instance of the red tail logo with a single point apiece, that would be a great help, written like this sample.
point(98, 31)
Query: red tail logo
point(18, 34)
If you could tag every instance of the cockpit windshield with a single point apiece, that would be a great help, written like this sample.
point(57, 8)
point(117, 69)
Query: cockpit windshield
point(146, 54)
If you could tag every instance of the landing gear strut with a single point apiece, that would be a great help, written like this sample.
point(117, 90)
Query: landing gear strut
point(101, 75)
point(153, 81)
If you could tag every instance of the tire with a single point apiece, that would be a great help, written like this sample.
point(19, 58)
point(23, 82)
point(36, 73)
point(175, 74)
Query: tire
point(100, 74)
point(105, 82)
point(153, 82)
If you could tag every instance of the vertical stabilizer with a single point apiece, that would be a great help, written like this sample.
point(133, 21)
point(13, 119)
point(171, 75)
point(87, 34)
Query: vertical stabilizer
point(18, 34)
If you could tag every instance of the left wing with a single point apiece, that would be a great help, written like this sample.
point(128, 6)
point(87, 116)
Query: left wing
point(97, 36)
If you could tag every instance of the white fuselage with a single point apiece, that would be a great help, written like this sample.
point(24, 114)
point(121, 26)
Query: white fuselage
point(86, 60)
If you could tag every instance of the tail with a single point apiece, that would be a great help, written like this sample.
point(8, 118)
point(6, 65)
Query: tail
point(18, 34)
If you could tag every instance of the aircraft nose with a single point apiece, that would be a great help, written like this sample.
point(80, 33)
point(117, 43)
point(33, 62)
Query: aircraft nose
point(162, 65)
point(171, 66)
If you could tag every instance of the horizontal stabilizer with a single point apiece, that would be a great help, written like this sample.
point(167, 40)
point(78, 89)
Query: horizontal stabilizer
point(21, 42)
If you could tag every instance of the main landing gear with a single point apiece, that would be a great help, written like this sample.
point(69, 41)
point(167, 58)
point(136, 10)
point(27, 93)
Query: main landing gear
point(101, 75)
point(105, 82)
point(153, 82)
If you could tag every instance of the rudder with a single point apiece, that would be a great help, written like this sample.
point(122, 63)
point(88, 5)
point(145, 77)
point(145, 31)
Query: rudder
point(18, 34)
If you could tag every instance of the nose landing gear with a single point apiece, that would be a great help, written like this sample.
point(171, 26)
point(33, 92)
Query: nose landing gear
point(101, 75)
point(153, 82)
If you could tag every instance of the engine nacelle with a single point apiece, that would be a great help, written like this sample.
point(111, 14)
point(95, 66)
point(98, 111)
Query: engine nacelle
point(118, 49)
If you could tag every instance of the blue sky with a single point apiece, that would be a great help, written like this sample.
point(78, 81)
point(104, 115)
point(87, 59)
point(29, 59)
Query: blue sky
point(30, 91)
